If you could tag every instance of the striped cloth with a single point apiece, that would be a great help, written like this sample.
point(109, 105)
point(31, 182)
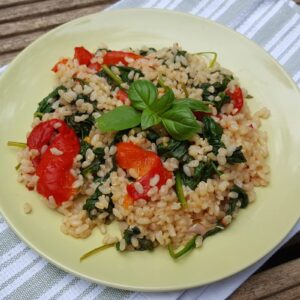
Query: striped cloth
point(273, 24)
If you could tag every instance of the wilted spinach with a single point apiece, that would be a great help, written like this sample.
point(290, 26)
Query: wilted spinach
point(173, 148)
point(144, 243)
point(82, 129)
point(204, 171)
point(242, 196)
point(212, 131)
point(94, 167)
point(45, 106)
point(236, 157)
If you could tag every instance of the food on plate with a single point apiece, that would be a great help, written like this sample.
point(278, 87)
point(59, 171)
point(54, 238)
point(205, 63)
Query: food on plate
point(160, 141)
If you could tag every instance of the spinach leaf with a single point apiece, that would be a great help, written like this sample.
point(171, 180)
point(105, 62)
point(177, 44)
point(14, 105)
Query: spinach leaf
point(180, 122)
point(219, 90)
point(94, 167)
point(219, 227)
point(83, 147)
point(242, 196)
point(173, 148)
point(152, 136)
point(212, 131)
point(204, 171)
point(148, 51)
point(121, 118)
point(90, 204)
point(82, 129)
point(236, 157)
point(45, 106)
point(124, 72)
point(142, 94)
point(144, 243)
point(232, 202)
point(224, 99)
point(119, 135)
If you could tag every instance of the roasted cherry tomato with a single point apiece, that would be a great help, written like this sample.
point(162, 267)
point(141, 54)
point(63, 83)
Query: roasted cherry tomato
point(159, 170)
point(115, 57)
point(131, 156)
point(122, 96)
point(52, 168)
point(82, 55)
point(61, 62)
point(237, 98)
point(146, 163)
point(95, 66)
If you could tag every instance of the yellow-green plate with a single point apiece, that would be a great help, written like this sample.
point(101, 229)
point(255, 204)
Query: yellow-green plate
point(257, 230)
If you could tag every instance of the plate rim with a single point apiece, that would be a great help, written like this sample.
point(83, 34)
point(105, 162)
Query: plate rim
point(128, 286)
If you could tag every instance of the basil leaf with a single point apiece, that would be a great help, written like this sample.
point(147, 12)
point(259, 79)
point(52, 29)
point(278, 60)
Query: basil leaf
point(149, 118)
point(164, 102)
point(121, 118)
point(142, 94)
point(213, 132)
point(194, 105)
point(180, 122)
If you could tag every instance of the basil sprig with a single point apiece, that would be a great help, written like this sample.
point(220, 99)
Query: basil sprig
point(176, 115)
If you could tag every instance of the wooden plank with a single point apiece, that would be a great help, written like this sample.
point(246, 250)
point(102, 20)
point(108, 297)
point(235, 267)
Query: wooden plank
point(47, 21)
point(270, 282)
point(7, 57)
point(47, 7)
point(10, 3)
point(289, 294)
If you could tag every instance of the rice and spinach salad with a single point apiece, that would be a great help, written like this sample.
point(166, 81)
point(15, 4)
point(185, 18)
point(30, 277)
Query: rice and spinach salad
point(160, 141)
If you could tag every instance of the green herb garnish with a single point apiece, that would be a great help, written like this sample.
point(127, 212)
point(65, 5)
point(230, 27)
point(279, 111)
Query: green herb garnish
point(176, 116)
point(214, 59)
point(112, 75)
point(190, 245)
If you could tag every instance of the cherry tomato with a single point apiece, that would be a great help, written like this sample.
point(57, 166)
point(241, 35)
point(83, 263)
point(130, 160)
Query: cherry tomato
point(122, 96)
point(82, 55)
point(61, 62)
point(115, 57)
point(159, 170)
point(53, 170)
point(146, 163)
point(237, 98)
point(131, 156)
point(95, 66)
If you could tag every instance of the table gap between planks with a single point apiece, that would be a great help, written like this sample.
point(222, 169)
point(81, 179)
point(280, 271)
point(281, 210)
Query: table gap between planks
point(23, 21)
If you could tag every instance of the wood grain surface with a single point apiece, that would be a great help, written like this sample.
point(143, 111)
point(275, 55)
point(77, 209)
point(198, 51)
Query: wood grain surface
point(23, 21)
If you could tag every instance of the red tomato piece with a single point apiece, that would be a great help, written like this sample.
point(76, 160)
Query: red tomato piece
point(115, 57)
point(237, 98)
point(61, 62)
point(146, 163)
point(82, 55)
point(53, 170)
point(131, 156)
point(159, 170)
point(122, 96)
point(199, 115)
point(95, 66)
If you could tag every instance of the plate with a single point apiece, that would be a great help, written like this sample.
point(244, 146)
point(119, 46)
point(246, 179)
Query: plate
point(257, 229)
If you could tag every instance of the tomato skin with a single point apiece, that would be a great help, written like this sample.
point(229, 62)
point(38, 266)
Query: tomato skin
point(237, 98)
point(164, 175)
point(122, 96)
point(131, 156)
point(53, 170)
point(115, 57)
point(95, 66)
point(62, 61)
point(83, 55)
point(147, 164)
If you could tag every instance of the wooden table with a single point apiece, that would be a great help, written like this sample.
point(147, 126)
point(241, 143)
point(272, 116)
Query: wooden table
point(22, 21)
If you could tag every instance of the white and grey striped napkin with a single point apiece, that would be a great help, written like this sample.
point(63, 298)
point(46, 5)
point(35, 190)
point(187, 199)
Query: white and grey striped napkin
point(274, 25)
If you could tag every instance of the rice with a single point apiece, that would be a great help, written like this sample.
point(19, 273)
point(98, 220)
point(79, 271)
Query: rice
point(161, 219)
